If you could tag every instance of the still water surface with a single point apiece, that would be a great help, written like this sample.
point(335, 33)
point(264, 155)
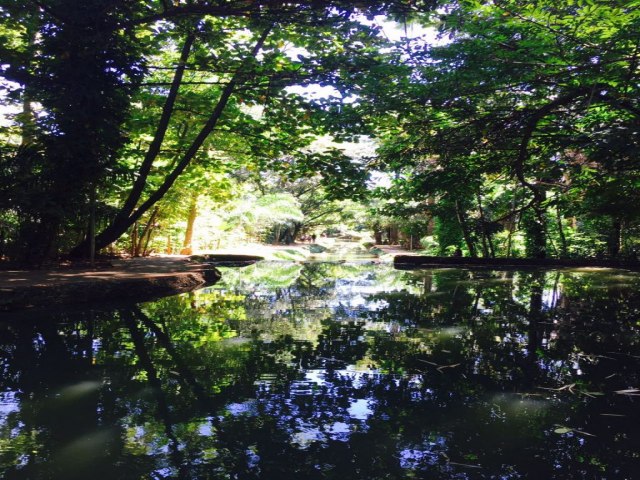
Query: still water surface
point(333, 370)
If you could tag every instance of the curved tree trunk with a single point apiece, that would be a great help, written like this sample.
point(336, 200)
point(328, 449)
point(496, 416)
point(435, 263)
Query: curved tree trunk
point(128, 215)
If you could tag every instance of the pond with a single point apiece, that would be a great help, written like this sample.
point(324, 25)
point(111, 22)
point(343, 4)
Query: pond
point(333, 370)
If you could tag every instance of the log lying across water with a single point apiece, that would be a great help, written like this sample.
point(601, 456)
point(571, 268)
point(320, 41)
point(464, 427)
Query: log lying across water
point(409, 262)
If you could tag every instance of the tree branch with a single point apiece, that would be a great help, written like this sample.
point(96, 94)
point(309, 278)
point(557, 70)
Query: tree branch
point(202, 135)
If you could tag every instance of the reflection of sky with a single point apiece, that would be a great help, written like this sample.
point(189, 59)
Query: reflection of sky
point(8, 404)
point(346, 296)
point(359, 409)
point(96, 345)
point(245, 408)
point(413, 458)
point(352, 296)
point(550, 297)
point(308, 431)
point(297, 407)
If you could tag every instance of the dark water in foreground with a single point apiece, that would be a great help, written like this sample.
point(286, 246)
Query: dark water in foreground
point(323, 371)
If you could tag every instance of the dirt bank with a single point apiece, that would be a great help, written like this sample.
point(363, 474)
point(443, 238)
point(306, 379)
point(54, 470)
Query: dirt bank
point(121, 280)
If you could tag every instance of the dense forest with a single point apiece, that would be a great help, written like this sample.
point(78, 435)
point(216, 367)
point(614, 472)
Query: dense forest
point(504, 128)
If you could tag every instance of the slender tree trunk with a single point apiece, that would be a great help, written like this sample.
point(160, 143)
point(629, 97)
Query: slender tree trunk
point(187, 247)
point(134, 239)
point(485, 246)
point(431, 201)
point(26, 118)
point(92, 225)
point(427, 284)
point(487, 235)
point(534, 339)
point(492, 250)
point(153, 378)
point(466, 234)
point(143, 241)
point(509, 238)
point(613, 243)
point(276, 235)
point(563, 238)
point(539, 239)
point(186, 377)
point(393, 235)
point(145, 250)
point(297, 227)
point(512, 222)
point(161, 130)
point(535, 228)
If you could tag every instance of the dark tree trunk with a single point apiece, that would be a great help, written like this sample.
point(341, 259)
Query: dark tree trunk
point(486, 251)
point(613, 242)
point(563, 238)
point(466, 233)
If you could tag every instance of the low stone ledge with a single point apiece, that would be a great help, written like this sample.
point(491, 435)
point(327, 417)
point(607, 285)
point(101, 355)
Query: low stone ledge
point(225, 259)
point(83, 291)
point(408, 262)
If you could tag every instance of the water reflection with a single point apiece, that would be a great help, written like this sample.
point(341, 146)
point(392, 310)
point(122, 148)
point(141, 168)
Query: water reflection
point(333, 370)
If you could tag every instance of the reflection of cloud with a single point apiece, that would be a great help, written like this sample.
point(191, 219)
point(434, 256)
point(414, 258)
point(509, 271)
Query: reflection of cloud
point(6, 113)
point(550, 297)
point(339, 431)
point(315, 91)
point(8, 404)
point(205, 429)
point(315, 376)
point(411, 458)
point(80, 389)
point(84, 451)
point(305, 437)
point(359, 409)
point(246, 408)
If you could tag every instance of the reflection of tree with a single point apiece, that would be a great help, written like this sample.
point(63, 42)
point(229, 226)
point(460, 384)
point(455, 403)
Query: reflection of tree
point(48, 372)
point(156, 385)
point(186, 376)
point(504, 330)
point(428, 381)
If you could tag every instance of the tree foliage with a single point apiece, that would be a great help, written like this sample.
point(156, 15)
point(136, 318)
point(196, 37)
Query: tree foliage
point(536, 97)
point(129, 95)
point(520, 124)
